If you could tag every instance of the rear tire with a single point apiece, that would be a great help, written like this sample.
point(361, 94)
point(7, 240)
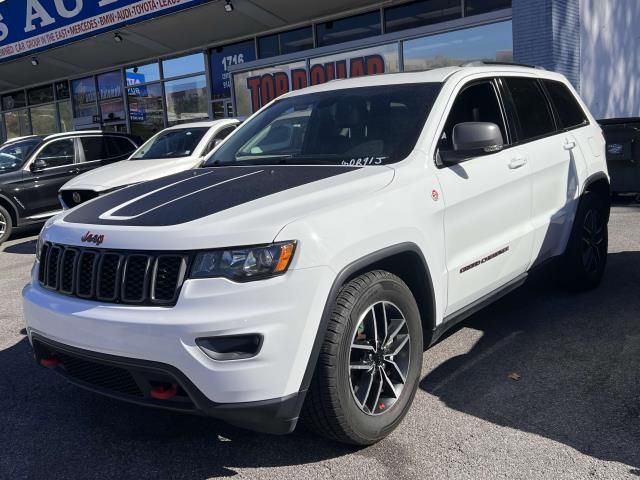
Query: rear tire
point(370, 362)
point(586, 256)
point(6, 225)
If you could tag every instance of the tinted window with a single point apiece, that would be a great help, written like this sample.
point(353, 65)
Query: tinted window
point(119, 147)
point(473, 7)
point(62, 90)
point(95, 148)
point(296, 40)
point(171, 144)
point(355, 126)
point(476, 103)
point(14, 154)
point(57, 154)
point(532, 109)
point(269, 46)
point(567, 107)
point(14, 100)
point(422, 12)
point(347, 29)
point(40, 95)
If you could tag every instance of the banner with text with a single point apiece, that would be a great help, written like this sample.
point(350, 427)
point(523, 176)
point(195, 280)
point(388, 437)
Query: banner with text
point(29, 26)
point(256, 88)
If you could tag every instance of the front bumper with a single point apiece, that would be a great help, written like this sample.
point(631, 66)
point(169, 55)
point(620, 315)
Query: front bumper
point(285, 311)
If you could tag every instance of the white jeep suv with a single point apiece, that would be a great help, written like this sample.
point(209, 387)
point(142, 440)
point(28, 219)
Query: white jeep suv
point(338, 232)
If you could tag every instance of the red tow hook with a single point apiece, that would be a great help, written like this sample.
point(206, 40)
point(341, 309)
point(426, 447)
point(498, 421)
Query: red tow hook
point(50, 362)
point(164, 393)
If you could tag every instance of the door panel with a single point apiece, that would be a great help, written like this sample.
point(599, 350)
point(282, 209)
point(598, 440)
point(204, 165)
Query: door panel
point(488, 205)
point(41, 187)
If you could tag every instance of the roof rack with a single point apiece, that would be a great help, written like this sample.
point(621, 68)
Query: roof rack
point(481, 63)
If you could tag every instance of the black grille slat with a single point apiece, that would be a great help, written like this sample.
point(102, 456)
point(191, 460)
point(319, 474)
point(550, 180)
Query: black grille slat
point(109, 277)
point(67, 269)
point(113, 276)
point(53, 265)
point(135, 282)
point(168, 273)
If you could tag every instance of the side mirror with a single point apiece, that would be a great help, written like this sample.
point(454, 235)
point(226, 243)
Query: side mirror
point(473, 139)
point(38, 165)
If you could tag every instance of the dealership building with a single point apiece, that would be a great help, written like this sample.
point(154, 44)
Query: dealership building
point(140, 65)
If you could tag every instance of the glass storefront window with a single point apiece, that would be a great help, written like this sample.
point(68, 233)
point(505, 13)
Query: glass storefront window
point(40, 95)
point(474, 7)
point(269, 46)
point(14, 100)
point(146, 112)
point(175, 67)
point(84, 100)
point(62, 90)
point(347, 29)
point(419, 13)
point(43, 119)
point(487, 42)
point(111, 99)
point(296, 40)
point(142, 74)
point(66, 118)
point(186, 100)
point(17, 123)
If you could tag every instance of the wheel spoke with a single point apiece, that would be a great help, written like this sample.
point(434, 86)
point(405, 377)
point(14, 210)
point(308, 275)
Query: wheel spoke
point(386, 323)
point(396, 330)
point(397, 369)
point(375, 324)
point(397, 347)
point(362, 365)
point(378, 393)
point(364, 385)
point(359, 346)
point(389, 383)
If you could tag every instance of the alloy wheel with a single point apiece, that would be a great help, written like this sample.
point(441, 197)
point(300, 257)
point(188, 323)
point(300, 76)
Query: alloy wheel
point(593, 241)
point(3, 225)
point(379, 358)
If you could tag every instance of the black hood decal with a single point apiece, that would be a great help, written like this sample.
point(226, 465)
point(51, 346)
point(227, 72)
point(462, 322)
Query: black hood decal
point(195, 194)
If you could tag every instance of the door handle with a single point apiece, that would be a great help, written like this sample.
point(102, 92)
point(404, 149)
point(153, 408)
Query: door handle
point(569, 145)
point(74, 170)
point(517, 162)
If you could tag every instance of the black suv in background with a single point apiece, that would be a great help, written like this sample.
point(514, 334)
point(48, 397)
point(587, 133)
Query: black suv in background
point(32, 170)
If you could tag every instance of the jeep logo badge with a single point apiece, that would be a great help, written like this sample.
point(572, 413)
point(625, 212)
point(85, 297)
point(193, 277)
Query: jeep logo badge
point(92, 238)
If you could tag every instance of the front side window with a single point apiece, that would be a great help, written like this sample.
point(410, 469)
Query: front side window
point(56, 154)
point(355, 126)
point(171, 144)
point(532, 109)
point(13, 155)
point(475, 103)
point(567, 107)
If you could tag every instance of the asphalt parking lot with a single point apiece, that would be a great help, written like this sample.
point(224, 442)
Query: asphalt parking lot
point(573, 414)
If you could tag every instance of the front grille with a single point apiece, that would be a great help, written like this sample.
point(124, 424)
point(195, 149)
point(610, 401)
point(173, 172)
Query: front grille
point(113, 276)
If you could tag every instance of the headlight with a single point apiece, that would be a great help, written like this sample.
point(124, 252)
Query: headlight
point(244, 263)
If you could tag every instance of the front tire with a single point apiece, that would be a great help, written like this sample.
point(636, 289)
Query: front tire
point(370, 362)
point(6, 225)
point(586, 256)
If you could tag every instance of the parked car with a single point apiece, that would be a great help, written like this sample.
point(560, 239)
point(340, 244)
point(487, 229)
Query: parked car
point(301, 275)
point(32, 170)
point(623, 153)
point(170, 151)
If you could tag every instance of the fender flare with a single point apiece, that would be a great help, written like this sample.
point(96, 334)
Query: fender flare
point(594, 178)
point(360, 265)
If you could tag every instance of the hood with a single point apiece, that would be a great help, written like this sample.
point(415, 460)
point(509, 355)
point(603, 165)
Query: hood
point(215, 207)
point(128, 172)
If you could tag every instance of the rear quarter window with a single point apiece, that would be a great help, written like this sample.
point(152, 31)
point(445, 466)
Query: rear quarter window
point(569, 111)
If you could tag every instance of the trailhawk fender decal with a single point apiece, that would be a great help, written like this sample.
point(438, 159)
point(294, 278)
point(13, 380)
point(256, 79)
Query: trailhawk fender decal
point(195, 194)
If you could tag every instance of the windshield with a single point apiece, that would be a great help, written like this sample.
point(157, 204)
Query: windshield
point(171, 144)
point(355, 126)
point(14, 154)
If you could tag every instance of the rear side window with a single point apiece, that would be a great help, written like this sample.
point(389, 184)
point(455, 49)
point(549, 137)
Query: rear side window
point(119, 147)
point(95, 148)
point(567, 107)
point(532, 109)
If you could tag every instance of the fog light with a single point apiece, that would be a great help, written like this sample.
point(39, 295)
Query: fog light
point(233, 347)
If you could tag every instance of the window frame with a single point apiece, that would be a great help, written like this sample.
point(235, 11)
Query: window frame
point(35, 155)
point(508, 127)
point(559, 123)
point(513, 114)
